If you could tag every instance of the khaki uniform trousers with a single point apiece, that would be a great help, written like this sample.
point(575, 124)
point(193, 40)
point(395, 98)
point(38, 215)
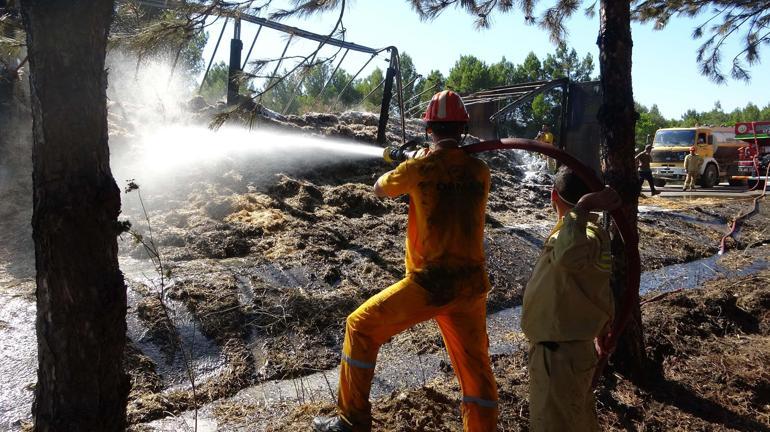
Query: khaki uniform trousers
point(560, 394)
point(462, 322)
point(689, 180)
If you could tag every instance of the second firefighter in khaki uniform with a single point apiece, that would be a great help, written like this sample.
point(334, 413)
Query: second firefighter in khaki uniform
point(567, 304)
point(692, 164)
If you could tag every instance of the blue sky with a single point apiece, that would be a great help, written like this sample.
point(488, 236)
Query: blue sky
point(664, 68)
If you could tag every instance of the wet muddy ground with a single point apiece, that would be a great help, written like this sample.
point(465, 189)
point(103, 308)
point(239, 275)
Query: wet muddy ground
point(707, 348)
point(261, 265)
point(272, 271)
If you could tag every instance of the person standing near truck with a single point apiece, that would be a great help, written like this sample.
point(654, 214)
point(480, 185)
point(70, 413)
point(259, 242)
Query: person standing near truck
point(643, 160)
point(692, 163)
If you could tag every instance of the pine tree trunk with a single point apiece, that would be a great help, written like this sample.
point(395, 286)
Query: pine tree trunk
point(81, 296)
point(617, 118)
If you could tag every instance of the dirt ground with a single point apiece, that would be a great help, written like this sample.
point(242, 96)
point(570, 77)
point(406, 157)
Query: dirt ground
point(708, 351)
point(312, 244)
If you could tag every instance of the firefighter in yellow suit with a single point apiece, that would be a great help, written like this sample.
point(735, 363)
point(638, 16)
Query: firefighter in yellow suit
point(567, 304)
point(446, 278)
point(545, 136)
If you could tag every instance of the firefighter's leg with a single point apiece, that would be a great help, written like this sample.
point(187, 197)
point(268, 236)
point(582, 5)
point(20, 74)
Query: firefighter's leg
point(393, 310)
point(560, 394)
point(465, 335)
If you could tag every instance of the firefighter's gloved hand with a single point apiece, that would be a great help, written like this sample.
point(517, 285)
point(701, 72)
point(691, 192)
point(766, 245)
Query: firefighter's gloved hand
point(606, 200)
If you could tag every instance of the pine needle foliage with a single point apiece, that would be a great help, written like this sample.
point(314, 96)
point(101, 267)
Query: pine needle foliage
point(723, 21)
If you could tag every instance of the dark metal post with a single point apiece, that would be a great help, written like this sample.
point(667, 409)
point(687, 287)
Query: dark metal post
point(566, 89)
point(386, 97)
point(234, 72)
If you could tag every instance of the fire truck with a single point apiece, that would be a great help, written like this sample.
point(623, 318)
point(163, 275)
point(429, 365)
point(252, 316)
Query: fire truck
point(754, 155)
point(716, 145)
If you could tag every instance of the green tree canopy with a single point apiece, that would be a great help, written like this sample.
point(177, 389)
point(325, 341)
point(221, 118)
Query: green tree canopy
point(215, 87)
point(469, 74)
point(502, 73)
point(529, 70)
point(650, 120)
point(368, 85)
point(566, 64)
point(409, 78)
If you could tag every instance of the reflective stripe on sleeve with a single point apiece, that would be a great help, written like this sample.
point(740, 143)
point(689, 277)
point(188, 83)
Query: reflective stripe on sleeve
point(357, 363)
point(604, 263)
point(485, 403)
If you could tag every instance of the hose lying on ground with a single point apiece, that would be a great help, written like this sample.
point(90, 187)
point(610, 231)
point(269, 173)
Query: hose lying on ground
point(627, 233)
point(736, 225)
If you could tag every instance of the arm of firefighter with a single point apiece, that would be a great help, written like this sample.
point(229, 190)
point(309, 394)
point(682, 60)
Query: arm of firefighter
point(394, 183)
point(576, 246)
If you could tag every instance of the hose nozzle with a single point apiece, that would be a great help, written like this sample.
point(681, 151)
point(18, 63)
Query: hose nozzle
point(400, 153)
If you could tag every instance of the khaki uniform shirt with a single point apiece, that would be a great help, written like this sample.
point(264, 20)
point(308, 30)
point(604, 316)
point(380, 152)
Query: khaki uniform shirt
point(692, 163)
point(568, 297)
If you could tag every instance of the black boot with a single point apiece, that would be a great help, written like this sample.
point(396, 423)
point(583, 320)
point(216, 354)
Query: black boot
point(331, 424)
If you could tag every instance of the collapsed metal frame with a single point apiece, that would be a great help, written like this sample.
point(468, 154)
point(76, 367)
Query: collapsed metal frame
point(236, 67)
point(521, 93)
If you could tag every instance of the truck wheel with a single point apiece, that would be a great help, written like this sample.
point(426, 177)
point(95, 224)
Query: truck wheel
point(710, 176)
point(658, 182)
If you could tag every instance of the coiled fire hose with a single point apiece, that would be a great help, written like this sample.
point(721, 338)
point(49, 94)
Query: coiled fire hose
point(738, 221)
point(628, 235)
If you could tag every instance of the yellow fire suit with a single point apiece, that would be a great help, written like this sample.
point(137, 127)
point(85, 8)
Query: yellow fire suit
point(567, 303)
point(547, 137)
point(692, 165)
point(445, 280)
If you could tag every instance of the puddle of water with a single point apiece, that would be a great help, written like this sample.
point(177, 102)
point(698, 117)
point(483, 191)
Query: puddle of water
point(18, 360)
point(184, 423)
point(206, 357)
point(705, 221)
point(245, 290)
point(535, 234)
point(693, 274)
point(653, 209)
point(277, 276)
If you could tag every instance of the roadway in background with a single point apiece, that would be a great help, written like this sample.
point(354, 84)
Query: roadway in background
point(721, 191)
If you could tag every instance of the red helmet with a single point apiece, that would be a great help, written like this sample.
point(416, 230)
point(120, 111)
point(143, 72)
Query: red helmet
point(446, 106)
point(693, 148)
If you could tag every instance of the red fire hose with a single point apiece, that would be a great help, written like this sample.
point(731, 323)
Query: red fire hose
point(741, 217)
point(628, 234)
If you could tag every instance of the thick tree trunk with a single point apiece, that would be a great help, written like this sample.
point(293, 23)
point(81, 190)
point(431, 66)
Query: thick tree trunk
point(617, 118)
point(81, 297)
